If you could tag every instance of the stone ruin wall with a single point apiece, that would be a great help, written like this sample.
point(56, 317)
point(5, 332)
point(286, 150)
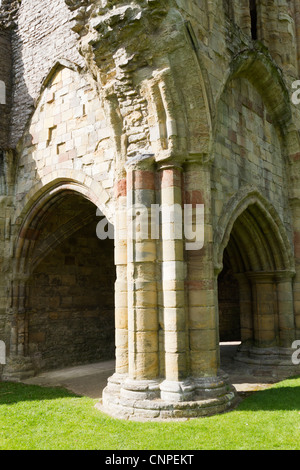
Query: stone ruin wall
point(163, 83)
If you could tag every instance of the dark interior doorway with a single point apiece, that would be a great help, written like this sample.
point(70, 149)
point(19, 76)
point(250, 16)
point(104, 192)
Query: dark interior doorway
point(70, 303)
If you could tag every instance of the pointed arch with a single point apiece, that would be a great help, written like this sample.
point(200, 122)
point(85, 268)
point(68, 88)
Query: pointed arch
point(255, 226)
point(258, 67)
point(44, 196)
point(253, 244)
point(55, 67)
point(58, 264)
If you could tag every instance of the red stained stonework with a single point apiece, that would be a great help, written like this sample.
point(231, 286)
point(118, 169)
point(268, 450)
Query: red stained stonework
point(194, 197)
point(296, 157)
point(121, 188)
point(141, 179)
point(171, 177)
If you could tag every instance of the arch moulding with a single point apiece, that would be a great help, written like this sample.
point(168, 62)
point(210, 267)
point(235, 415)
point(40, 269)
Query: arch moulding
point(49, 188)
point(246, 197)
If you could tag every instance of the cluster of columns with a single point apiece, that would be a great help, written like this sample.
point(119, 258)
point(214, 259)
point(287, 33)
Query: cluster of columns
point(166, 322)
point(167, 339)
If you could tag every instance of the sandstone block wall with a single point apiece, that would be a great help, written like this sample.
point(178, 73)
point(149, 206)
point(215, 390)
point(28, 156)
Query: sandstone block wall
point(6, 87)
point(68, 132)
point(77, 326)
point(41, 38)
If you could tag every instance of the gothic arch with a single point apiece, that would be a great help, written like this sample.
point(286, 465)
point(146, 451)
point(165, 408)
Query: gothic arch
point(257, 255)
point(265, 76)
point(39, 234)
point(52, 71)
point(260, 220)
point(258, 67)
point(177, 131)
point(42, 196)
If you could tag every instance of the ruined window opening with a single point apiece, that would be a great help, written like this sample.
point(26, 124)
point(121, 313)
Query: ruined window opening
point(253, 15)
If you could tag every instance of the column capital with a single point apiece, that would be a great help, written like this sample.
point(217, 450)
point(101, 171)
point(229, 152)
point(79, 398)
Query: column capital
point(265, 277)
point(170, 165)
point(171, 175)
point(140, 173)
point(199, 159)
point(261, 277)
point(284, 275)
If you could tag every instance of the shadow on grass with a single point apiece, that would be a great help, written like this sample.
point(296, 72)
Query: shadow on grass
point(15, 392)
point(283, 396)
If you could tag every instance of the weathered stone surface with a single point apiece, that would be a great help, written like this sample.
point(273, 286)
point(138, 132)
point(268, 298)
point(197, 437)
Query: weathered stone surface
point(106, 104)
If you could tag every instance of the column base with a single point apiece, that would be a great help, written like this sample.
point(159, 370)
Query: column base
point(275, 362)
point(176, 392)
point(154, 401)
point(18, 368)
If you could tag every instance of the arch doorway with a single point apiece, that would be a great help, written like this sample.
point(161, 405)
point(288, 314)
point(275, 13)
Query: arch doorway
point(68, 280)
point(255, 293)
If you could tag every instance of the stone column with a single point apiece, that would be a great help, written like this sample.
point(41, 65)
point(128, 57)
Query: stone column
point(20, 314)
point(156, 274)
point(246, 313)
point(121, 294)
point(18, 366)
point(175, 387)
point(243, 17)
point(143, 363)
point(203, 323)
point(201, 284)
point(265, 320)
point(285, 302)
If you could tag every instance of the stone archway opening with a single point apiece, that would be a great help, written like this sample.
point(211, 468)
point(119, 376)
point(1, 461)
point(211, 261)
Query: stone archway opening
point(255, 294)
point(69, 308)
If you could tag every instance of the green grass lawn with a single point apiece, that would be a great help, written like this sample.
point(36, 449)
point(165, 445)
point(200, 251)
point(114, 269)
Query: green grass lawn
point(34, 418)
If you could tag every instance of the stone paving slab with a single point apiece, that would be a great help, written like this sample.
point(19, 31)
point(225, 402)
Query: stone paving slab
point(88, 380)
point(91, 379)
